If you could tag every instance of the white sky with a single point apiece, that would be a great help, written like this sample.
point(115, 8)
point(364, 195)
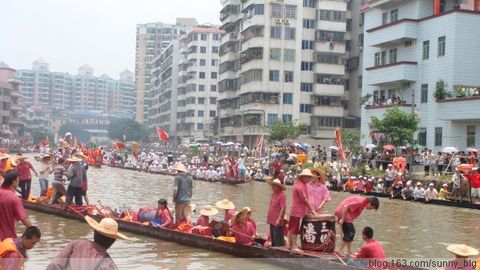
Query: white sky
point(70, 33)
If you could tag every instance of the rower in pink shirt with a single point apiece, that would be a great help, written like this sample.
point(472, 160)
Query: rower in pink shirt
point(242, 229)
point(276, 213)
point(205, 213)
point(229, 207)
point(318, 193)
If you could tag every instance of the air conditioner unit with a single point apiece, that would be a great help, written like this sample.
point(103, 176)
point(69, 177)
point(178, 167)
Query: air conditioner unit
point(278, 21)
point(286, 21)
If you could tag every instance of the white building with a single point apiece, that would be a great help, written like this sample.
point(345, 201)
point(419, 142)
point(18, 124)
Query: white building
point(412, 45)
point(198, 79)
point(151, 40)
point(283, 60)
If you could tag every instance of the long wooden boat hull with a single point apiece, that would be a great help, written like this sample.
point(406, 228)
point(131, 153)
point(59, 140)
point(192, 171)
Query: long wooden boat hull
point(278, 256)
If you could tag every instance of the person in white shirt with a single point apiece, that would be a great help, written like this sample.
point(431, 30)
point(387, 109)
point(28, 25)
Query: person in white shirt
point(431, 193)
point(419, 191)
point(258, 175)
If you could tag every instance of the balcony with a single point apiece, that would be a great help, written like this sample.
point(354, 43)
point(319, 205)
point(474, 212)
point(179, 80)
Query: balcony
point(256, 20)
point(379, 111)
point(16, 108)
point(399, 72)
point(16, 94)
point(329, 68)
point(16, 122)
point(464, 108)
point(329, 90)
point(393, 33)
point(253, 42)
point(335, 111)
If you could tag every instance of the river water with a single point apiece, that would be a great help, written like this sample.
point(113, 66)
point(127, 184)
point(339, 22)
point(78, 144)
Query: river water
point(406, 229)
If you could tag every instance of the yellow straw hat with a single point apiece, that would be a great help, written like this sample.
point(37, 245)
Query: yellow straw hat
point(107, 227)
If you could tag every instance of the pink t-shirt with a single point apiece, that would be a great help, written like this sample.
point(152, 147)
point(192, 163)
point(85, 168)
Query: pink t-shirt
point(243, 233)
point(361, 185)
point(203, 221)
point(371, 250)
point(23, 169)
point(317, 193)
point(356, 204)
point(11, 211)
point(166, 217)
point(228, 215)
point(299, 192)
point(277, 202)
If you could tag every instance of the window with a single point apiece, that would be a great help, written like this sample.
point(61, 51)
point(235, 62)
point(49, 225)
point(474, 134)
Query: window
point(290, 11)
point(393, 56)
point(470, 136)
point(308, 23)
point(213, 113)
point(331, 15)
point(201, 88)
point(215, 37)
point(201, 101)
point(272, 118)
point(385, 18)
point(251, 75)
point(306, 87)
point(213, 75)
point(359, 81)
point(321, 35)
point(289, 55)
point(276, 10)
point(305, 108)
point(200, 113)
point(438, 136)
point(289, 33)
point(360, 40)
point(307, 44)
point(424, 93)
point(286, 118)
point(383, 60)
point(377, 59)
point(213, 100)
point(203, 36)
point(214, 49)
point(288, 76)
point(259, 9)
point(201, 75)
point(441, 46)
point(214, 62)
point(393, 15)
point(362, 19)
point(275, 32)
point(213, 88)
point(275, 54)
point(307, 66)
point(422, 136)
point(200, 126)
point(309, 3)
point(287, 98)
point(426, 50)
point(274, 76)
point(203, 62)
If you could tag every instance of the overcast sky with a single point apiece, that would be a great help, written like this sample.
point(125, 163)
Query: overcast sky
point(70, 33)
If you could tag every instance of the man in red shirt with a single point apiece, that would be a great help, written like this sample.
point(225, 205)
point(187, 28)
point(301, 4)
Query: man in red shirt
point(11, 207)
point(347, 211)
point(300, 207)
point(474, 180)
point(371, 250)
point(23, 169)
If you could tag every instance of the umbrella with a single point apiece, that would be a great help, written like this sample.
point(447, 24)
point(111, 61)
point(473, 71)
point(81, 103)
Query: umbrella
point(293, 155)
point(471, 150)
point(449, 150)
point(370, 146)
point(275, 154)
point(195, 145)
point(219, 142)
point(464, 167)
point(296, 144)
point(333, 147)
point(418, 146)
point(230, 143)
point(183, 156)
point(388, 147)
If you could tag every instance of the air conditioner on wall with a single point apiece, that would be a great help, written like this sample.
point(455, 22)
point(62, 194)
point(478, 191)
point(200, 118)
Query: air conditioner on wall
point(286, 21)
point(278, 21)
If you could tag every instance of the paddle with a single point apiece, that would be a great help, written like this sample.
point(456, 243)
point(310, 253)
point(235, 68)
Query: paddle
point(340, 259)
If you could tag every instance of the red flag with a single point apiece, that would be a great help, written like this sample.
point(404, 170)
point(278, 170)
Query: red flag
point(120, 145)
point(339, 144)
point(162, 135)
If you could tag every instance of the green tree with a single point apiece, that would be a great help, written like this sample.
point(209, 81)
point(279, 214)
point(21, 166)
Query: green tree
point(131, 129)
point(39, 136)
point(351, 140)
point(80, 133)
point(398, 125)
point(280, 130)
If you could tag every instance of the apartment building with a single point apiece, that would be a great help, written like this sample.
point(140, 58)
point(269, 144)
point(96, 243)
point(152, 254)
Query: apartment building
point(151, 40)
point(414, 50)
point(10, 108)
point(62, 91)
point(283, 60)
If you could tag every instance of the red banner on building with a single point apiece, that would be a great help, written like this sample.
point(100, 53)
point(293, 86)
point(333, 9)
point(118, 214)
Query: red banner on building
point(339, 144)
point(162, 135)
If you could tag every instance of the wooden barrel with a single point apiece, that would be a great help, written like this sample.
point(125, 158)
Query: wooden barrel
point(318, 233)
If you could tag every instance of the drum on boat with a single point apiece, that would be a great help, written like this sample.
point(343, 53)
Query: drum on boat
point(318, 233)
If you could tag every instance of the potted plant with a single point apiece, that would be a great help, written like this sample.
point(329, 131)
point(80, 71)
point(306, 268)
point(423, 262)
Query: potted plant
point(365, 99)
point(461, 92)
point(441, 91)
